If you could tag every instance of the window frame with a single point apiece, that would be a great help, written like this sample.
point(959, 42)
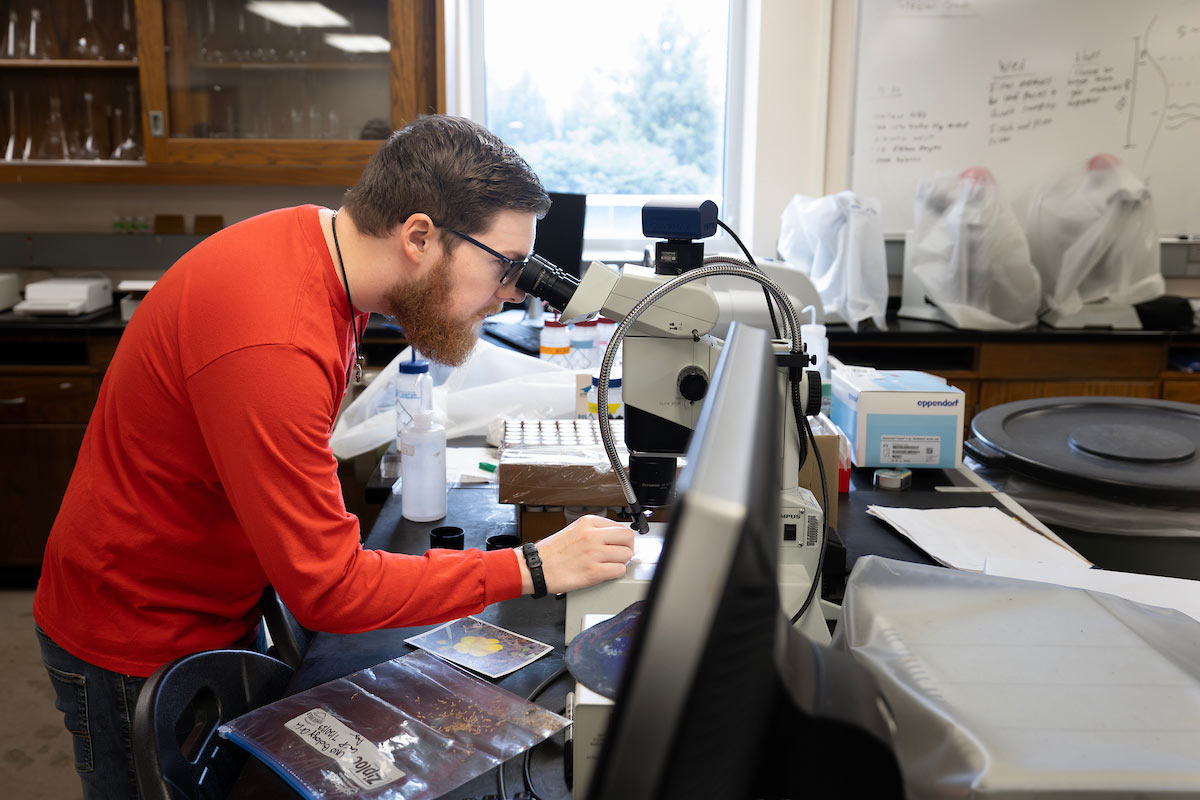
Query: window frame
point(466, 96)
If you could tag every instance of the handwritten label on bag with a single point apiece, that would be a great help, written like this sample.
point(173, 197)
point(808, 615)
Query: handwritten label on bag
point(359, 758)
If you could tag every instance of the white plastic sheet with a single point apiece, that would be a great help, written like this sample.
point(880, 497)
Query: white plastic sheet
point(493, 382)
point(1092, 236)
point(970, 254)
point(837, 240)
point(1005, 688)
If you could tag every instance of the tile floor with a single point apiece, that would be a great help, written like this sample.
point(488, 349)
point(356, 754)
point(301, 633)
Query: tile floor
point(36, 757)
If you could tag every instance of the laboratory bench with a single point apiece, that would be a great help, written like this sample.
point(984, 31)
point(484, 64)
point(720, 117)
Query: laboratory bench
point(477, 511)
point(50, 373)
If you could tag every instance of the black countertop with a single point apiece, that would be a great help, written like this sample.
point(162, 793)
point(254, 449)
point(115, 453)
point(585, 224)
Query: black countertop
point(901, 330)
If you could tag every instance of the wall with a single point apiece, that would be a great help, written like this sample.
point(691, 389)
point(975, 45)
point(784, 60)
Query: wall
point(89, 208)
point(787, 99)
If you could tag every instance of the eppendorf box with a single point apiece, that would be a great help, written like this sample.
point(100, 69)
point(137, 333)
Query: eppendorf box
point(898, 418)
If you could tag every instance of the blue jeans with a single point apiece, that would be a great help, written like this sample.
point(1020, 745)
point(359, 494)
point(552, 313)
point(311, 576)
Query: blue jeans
point(97, 707)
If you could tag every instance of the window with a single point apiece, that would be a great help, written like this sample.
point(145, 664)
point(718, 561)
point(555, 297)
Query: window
point(620, 101)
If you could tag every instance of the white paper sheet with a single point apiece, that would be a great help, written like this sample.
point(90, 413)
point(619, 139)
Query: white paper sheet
point(966, 538)
point(1152, 590)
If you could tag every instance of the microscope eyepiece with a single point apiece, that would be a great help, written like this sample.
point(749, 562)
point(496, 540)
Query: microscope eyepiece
point(547, 282)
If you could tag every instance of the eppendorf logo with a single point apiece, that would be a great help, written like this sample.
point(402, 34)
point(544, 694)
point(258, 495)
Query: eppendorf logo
point(937, 403)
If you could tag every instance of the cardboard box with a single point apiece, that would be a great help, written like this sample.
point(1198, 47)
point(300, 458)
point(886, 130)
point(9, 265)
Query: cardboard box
point(898, 418)
point(810, 477)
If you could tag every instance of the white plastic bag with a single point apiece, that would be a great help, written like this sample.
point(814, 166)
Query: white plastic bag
point(837, 240)
point(494, 381)
point(969, 253)
point(1092, 236)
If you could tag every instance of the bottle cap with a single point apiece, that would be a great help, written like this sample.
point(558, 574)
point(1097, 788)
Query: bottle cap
point(423, 417)
point(554, 323)
point(586, 323)
point(414, 367)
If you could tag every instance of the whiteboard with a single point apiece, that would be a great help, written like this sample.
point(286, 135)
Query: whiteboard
point(1027, 88)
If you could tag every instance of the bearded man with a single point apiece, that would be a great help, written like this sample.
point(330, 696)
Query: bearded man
point(206, 473)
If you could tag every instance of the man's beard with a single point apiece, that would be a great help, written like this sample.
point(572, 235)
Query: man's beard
point(421, 309)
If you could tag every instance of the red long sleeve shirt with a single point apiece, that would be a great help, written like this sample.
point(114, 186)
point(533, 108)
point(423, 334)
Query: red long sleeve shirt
point(206, 471)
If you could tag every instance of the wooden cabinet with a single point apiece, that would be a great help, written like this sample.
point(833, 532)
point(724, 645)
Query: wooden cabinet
point(1181, 388)
point(48, 387)
point(996, 368)
point(218, 95)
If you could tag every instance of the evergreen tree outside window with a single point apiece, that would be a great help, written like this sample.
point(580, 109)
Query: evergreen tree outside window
point(621, 100)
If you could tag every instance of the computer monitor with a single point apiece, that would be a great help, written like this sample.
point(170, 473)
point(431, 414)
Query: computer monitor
point(721, 697)
point(559, 237)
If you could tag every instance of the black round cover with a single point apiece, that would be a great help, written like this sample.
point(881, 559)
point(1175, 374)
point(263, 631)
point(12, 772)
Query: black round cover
point(1112, 446)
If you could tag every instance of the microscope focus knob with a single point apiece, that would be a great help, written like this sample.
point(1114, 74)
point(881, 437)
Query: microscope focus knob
point(812, 403)
point(693, 384)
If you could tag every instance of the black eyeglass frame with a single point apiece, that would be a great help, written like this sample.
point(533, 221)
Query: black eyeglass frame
point(512, 267)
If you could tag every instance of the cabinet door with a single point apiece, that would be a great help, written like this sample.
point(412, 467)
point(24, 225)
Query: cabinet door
point(993, 393)
point(297, 84)
point(1184, 391)
point(37, 467)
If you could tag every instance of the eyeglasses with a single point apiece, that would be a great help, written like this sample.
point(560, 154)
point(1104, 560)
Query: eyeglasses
point(512, 268)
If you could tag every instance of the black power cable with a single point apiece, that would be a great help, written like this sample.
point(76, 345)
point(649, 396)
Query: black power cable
point(753, 263)
point(802, 426)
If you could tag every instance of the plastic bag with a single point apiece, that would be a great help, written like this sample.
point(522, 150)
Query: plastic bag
point(1092, 236)
point(837, 240)
point(493, 382)
point(411, 728)
point(969, 253)
point(1004, 688)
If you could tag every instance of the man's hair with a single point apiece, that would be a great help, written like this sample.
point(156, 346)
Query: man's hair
point(453, 169)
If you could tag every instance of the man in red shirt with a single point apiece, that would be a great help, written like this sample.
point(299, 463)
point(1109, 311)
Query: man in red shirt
point(206, 472)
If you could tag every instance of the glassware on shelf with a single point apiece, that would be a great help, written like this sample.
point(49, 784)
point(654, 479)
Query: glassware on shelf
point(241, 48)
point(27, 147)
point(212, 48)
point(128, 149)
point(54, 138)
point(297, 51)
point(13, 148)
point(89, 42)
point(14, 44)
point(126, 46)
point(40, 42)
point(265, 45)
point(87, 149)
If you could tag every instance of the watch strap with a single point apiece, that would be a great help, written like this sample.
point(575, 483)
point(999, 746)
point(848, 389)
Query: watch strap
point(534, 562)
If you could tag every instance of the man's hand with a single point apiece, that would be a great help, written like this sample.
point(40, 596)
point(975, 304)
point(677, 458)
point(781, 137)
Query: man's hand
point(589, 550)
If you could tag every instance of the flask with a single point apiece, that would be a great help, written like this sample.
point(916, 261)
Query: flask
point(414, 390)
point(556, 343)
point(423, 468)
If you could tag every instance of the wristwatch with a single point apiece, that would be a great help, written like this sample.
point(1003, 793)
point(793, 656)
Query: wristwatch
point(534, 562)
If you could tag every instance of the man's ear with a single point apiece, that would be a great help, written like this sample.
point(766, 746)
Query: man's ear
point(418, 238)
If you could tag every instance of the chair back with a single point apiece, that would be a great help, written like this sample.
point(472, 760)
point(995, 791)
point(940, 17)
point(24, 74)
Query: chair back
point(289, 639)
point(177, 752)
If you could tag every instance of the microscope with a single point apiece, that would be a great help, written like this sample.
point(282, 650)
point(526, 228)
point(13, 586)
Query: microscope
point(668, 359)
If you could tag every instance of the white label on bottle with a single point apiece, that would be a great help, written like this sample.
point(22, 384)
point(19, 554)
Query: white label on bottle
point(406, 449)
point(359, 759)
point(910, 449)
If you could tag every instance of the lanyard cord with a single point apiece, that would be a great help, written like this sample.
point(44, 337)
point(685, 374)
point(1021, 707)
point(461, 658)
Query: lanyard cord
point(358, 359)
